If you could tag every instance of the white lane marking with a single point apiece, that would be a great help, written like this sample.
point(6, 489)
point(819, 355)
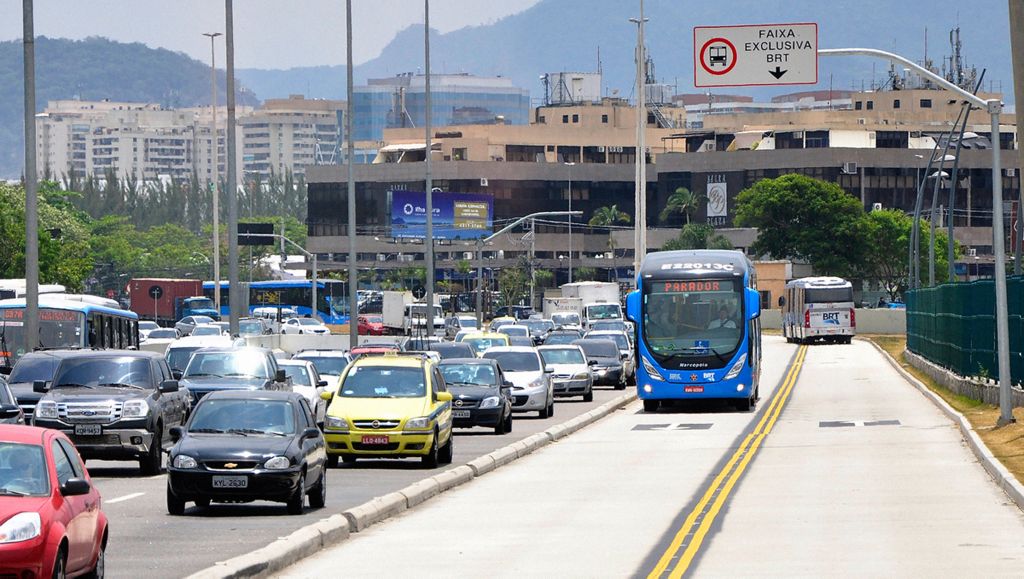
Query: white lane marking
point(157, 476)
point(124, 498)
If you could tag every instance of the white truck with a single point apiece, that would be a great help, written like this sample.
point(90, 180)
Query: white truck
point(393, 310)
point(416, 319)
point(598, 300)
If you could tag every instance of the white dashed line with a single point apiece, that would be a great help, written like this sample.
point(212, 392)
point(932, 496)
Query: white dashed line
point(124, 498)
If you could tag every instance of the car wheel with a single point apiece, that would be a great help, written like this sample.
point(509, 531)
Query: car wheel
point(508, 422)
point(621, 384)
point(153, 462)
point(99, 570)
point(651, 405)
point(499, 428)
point(348, 459)
point(299, 498)
point(318, 494)
point(447, 452)
point(430, 460)
point(175, 506)
point(589, 396)
point(60, 565)
point(332, 461)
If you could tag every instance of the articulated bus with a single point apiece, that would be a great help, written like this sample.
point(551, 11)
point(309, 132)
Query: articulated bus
point(819, 308)
point(698, 327)
point(66, 321)
point(331, 298)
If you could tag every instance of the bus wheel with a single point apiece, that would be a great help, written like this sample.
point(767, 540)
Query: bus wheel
point(745, 404)
point(651, 405)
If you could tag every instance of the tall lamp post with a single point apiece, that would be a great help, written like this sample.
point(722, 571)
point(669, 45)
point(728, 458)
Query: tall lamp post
point(215, 145)
point(28, 40)
point(570, 165)
point(429, 238)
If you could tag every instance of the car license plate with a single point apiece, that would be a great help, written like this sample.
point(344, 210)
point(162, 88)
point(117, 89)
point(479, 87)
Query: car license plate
point(460, 413)
point(693, 389)
point(230, 482)
point(88, 429)
point(375, 440)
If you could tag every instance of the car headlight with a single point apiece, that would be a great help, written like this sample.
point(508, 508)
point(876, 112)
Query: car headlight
point(46, 409)
point(135, 409)
point(735, 370)
point(277, 463)
point(581, 376)
point(490, 402)
point(335, 423)
point(21, 527)
point(651, 370)
point(184, 461)
point(538, 383)
point(421, 423)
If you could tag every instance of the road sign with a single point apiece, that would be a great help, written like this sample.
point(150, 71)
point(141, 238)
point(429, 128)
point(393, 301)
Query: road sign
point(255, 234)
point(755, 55)
point(155, 292)
point(418, 292)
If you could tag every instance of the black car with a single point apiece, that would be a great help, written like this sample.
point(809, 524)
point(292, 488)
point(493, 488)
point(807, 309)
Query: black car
point(418, 344)
point(480, 394)
point(561, 337)
point(213, 369)
point(113, 404)
point(453, 350)
point(517, 312)
point(10, 412)
point(539, 329)
point(246, 446)
point(31, 368)
point(605, 361)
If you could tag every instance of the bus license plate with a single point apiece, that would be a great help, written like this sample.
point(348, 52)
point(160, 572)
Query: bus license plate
point(88, 430)
point(693, 389)
point(230, 482)
point(375, 440)
point(460, 413)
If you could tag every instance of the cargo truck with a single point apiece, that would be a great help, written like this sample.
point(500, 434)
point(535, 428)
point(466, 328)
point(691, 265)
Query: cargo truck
point(165, 301)
point(598, 300)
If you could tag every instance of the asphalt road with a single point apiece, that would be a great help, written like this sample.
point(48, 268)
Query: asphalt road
point(147, 542)
point(844, 470)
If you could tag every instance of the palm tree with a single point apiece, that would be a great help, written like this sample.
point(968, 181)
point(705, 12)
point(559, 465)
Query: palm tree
point(682, 201)
point(608, 216)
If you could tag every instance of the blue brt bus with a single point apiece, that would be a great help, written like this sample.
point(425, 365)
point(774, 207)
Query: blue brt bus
point(697, 317)
point(331, 297)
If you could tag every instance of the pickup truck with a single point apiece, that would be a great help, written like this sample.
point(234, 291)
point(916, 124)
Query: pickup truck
point(114, 405)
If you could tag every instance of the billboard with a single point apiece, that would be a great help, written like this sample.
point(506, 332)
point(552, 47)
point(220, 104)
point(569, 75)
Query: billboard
point(456, 215)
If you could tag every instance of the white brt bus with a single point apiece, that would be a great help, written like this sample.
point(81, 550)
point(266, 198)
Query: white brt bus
point(819, 308)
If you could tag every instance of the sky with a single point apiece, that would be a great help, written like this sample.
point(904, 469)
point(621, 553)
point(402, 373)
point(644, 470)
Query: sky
point(268, 33)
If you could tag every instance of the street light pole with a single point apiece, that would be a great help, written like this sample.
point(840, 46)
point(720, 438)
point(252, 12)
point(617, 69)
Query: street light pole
point(640, 198)
point(28, 41)
point(570, 165)
point(215, 145)
point(353, 273)
point(234, 289)
point(429, 237)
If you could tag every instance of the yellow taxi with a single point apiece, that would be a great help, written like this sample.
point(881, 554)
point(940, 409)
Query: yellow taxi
point(480, 341)
point(389, 406)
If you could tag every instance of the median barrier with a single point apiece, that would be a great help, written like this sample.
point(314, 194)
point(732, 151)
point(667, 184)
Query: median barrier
point(453, 477)
point(420, 491)
point(375, 510)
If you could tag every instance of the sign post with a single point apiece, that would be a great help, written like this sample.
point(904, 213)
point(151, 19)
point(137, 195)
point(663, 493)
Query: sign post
point(755, 55)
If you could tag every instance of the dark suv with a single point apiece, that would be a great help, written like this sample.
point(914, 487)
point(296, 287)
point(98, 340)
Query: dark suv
point(113, 404)
point(214, 369)
point(31, 368)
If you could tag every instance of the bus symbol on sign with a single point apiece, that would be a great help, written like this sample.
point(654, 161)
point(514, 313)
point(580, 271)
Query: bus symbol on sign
point(717, 55)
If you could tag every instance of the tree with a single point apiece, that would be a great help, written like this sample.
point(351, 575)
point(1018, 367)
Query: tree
point(683, 202)
point(888, 246)
point(809, 219)
point(584, 274)
point(608, 216)
point(697, 236)
point(512, 284)
point(544, 278)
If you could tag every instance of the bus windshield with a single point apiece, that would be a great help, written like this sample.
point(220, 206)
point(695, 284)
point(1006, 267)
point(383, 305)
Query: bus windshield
point(693, 320)
point(57, 329)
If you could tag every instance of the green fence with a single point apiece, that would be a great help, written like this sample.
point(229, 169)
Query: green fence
point(954, 326)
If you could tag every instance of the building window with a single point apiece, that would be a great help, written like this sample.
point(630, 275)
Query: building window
point(542, 121)
point(604, 119)
point(459, 154)
point(926, 103)
point(858, 105)
point(871, 105)
point(896, 105)
point(575, 118)
point(565, 119)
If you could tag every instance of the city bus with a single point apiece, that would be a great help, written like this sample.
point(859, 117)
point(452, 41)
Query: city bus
point(819, 309)
point(331, 298)
point(66, 321)
point(698, 328)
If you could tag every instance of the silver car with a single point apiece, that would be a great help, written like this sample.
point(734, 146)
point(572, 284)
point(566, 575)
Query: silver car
point(572, 375)
point(532, 388)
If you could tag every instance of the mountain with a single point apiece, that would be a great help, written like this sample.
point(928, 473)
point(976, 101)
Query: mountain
point(96, 69)
point(566, 35)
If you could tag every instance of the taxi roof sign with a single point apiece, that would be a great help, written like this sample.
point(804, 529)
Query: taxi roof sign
point(755, 55)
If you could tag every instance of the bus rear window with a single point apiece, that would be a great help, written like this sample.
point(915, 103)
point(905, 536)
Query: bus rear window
point(828, 295)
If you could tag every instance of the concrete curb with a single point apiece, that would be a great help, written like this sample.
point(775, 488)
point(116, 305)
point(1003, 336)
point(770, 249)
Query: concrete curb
point(1003, 478)
point(337, 528)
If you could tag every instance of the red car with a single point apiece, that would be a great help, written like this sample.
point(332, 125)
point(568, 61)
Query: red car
point(50, 518)
point(371, 325)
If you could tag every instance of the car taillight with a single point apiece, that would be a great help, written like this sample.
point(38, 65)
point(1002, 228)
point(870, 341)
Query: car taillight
point(853, 318)
point(807, 318)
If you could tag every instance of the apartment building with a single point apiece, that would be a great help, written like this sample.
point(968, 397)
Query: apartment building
point(290, 135)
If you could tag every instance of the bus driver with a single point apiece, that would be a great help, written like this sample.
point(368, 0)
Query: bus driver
point(722, 321)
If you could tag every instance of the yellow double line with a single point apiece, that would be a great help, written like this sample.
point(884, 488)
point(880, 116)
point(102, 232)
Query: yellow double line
point(714, 498)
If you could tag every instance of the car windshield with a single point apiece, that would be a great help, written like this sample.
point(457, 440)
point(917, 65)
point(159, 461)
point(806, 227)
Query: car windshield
point(23, 470)
point(163, 333)
point(251, 328)
point(565, 319)
point(383, 382)
point(329, 365)
point(481, 344)
point(468, 323)
point(561, 338)
point(177, 358)
point(599, 348)
point(563, 356)
point(620, 339)
point(201, 319)
point(515, 330)
point(32, 368)
point(604, 312)
point(615, 326)
point(308, 322)
point(238, 363)
point(93, 371)
point(270, 417)
point(468, 374)
point(206, 331)
point(515, 361)
point(375, 319)
point(419, 344)
point(298, 374)
point(539, 326)
point(453, 350)
point(147, 325)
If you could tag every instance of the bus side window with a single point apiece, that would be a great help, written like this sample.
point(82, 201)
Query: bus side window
point(92, 337)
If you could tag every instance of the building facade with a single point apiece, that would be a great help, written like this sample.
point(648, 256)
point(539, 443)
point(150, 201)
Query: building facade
point(290, 135)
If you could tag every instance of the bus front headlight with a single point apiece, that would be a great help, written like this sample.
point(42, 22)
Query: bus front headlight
point(735, 370)
point(651, 370)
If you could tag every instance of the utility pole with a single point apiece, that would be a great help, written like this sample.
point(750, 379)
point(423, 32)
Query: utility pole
point(215, 140)
point(428, 241)
point(353, 273)
point(28, 41)
point(234, 290)
point(1017, 50)
point(640, 198)
point(570, 165)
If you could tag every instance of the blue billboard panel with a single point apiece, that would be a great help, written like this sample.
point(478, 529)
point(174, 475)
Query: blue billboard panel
point(456, 215)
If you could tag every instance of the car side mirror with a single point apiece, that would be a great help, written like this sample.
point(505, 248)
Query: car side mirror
point(507, 384)
point(549, 370)
point(444, 396)
point(75, 487)
point(176, 374)
point(280, 376)
point(9, 410)
point(176, 432)
point(168, 386)
point(321, 383)
point(311, 432)
point(591, 362)
point(39, 386)
point(326, 395)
